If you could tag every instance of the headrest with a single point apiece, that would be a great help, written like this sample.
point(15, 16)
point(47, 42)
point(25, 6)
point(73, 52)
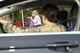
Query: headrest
point(74, 10)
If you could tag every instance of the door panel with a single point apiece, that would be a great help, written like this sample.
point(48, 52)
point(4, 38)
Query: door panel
point(35, 41)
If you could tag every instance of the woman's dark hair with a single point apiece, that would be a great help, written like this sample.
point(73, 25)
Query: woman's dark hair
point(51, 12)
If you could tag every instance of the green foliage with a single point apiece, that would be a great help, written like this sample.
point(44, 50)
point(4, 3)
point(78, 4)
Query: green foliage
point(38, 9)
point(17, 15)
point(27, 13)
point(67, 8)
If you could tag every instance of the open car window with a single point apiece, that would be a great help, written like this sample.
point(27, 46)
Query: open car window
point(19, 15)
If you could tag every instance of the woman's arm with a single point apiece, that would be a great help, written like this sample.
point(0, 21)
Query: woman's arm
point(10, 28)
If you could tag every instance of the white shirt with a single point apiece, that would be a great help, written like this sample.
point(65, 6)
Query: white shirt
point(37, 20)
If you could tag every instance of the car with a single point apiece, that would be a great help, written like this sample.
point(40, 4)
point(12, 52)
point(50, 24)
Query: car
point(46, 42)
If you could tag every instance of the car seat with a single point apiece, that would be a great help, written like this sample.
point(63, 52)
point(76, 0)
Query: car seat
point(63, 14)
point(73, 17)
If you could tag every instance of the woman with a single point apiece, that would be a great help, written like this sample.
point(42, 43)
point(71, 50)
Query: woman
point(50, 20)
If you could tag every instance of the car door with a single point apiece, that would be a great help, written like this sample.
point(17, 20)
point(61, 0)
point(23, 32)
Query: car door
point(58, 42)
point(41, 43)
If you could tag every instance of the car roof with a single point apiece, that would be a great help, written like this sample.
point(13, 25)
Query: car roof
point(20, 4)
point(57, 2)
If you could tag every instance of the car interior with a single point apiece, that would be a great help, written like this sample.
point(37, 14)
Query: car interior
point(66, 8)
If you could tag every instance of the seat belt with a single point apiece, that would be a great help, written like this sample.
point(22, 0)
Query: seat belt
point(70, 25)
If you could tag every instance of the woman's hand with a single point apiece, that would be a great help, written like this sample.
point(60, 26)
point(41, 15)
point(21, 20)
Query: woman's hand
point(30, 18)
point(2, 21)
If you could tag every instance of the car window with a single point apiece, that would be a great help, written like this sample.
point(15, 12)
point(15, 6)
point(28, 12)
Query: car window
point(19, 20)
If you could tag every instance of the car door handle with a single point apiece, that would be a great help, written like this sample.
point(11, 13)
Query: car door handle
point(65, 45)
point(71, 45)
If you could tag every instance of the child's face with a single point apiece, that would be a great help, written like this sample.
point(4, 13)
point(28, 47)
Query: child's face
point(35, 12)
